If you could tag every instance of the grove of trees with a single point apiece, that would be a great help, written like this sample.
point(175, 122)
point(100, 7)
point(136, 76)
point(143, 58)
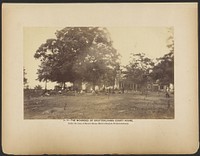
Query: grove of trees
point(142, 70)
point(86, 54)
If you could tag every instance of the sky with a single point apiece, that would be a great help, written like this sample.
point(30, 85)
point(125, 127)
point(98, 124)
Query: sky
point(126, 40)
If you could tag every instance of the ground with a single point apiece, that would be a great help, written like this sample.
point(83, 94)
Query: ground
point(89, 106)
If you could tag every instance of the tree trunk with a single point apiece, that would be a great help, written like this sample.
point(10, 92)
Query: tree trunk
point(64, 86)
point(93, 86)
point(45, 84)
point(73, 85)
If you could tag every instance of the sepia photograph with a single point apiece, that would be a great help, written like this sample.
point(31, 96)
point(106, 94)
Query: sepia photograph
point(100, 78)
point(99, 73)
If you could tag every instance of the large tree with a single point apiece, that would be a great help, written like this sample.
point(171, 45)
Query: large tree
point(77, 54)
point(139, 69)
point(99, 65)
point(164, 68)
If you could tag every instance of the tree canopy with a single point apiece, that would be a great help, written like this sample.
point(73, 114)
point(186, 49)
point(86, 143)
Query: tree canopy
point(163, 71)
point(86, 54)
point(139, 69)
point(164, 68)
point(78, 54)
point(142, 70)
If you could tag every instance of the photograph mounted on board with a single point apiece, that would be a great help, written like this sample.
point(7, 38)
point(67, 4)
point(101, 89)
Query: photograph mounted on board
point(98, 72)
point(100, 75)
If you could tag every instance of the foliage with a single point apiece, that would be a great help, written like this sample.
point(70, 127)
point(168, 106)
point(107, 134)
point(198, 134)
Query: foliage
point(164, 69)
point(38, 87)
point(99, 66)
point(139, 69)
point(77, 54)
point(25, 81)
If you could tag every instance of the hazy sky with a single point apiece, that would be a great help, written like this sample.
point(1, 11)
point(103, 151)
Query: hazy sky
point(127, 40)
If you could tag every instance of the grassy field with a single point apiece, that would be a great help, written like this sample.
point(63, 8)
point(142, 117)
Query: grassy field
point(114, 106)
